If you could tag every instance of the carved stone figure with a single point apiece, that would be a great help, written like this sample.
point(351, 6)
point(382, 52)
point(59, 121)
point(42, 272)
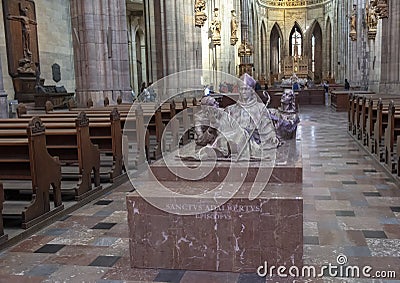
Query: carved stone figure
point(216, 28)
point(243, 131)
point(234, 27)
point(382, 8)
point(38, 86)
point(371, 19)
point(286, 118)
point(26, 30)
point(200, 15)
point(205, 123)
point(353, 24)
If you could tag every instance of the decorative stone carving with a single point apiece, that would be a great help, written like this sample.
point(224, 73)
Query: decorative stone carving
point(245, 49)
point(353, 24)
point(89, 102)
point(216, 28)
point(243, 131)
point(200, 15)
point(382, 8)
point(234, 27)
point(371, 19)
point(286, 118)
point(106, 101)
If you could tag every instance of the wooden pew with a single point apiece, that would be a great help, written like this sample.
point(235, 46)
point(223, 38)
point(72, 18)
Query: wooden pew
point(372, 105)
point(28, 159)
point(380, 125)
point(340, 100)
point(73, 147)
point(152, 120)
point(364, 118)
point(392, 131)
point(3, 237)
point(357, 107)
point(104, 132)
point(353, 111)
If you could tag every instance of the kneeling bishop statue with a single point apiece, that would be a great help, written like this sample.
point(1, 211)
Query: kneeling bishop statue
point(242, 131)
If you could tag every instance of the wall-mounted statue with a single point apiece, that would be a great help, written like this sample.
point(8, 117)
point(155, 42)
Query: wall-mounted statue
point(200, 15)
point(382, 8)
point(353, 24)
point(216, 28)
point(234, 28)
point(26, 30)
point(371, 18)
point(20, 26)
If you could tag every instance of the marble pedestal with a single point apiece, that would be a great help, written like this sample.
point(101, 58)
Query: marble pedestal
point(238, 236)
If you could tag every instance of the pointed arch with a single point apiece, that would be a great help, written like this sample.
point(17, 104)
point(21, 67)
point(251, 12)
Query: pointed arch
point(263, 48)
point(316, 58)
point(296, 40)
point(276, 43)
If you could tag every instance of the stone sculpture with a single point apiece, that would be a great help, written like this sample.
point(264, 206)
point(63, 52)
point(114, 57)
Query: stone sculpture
point(243, 131)
point(216, 28)
point(234, 28)
point(200, 15)
point(371, 19)
point(286, 118)
point(353, 24)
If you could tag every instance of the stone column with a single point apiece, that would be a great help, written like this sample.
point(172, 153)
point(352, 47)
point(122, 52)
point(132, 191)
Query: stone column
point(173, 42)
point(390, 76)
point(3, 96)
point(100, 50)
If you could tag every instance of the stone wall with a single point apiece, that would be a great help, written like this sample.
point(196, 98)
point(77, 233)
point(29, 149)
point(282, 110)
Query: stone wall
point(55, 44)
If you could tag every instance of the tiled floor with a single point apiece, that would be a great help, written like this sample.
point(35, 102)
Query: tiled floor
point(351, 208)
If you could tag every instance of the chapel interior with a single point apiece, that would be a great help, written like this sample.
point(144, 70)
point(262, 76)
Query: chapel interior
point(101, 111)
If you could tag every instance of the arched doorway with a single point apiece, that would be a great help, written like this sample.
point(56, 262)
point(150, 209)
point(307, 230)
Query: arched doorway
point(275, 53)
point(316, 52)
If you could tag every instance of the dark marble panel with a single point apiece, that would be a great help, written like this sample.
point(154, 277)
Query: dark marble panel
point(105, 261)
point(50, 248)
point(104, 225)
point(173, 276)
point(374, 234)
point(103, 202)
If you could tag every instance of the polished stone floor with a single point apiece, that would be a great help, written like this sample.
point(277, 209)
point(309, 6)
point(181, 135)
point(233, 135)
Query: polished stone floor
point(351, 213)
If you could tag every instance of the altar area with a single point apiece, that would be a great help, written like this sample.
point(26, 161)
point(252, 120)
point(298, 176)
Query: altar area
point(296, 65)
